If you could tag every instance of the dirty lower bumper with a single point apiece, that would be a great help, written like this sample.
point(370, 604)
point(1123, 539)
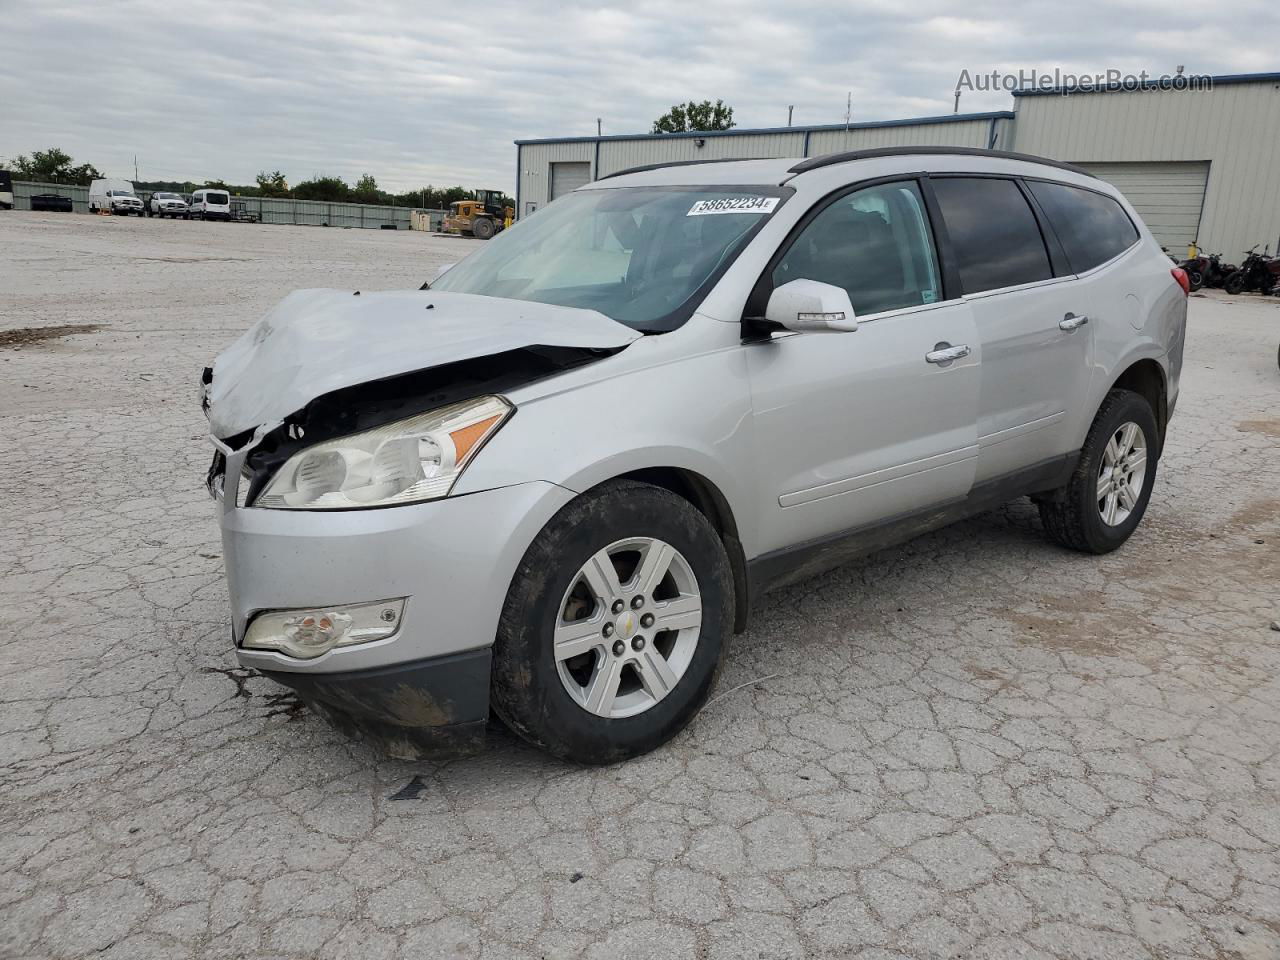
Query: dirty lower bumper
point(410, 710)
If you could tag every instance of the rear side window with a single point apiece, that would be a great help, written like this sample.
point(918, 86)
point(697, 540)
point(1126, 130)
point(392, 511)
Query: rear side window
point(875, 243)
point(994, 234)
point(1093, 228)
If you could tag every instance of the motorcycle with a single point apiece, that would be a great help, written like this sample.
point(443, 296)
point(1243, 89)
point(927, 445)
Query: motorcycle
point(1216, 272)
point(1260, 272)
point(1197, 268)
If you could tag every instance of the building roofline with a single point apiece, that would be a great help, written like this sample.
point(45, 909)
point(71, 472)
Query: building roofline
point(1223, 80)
point(822, 128)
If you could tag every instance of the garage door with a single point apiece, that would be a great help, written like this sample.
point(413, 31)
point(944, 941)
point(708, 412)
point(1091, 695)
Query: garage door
point(1168, 196)
point(568, 176)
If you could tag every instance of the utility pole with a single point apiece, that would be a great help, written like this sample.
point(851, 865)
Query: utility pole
point(848, 111)
point(597, 126)
point(957, 106)
point(789, 111)
point(135, 168)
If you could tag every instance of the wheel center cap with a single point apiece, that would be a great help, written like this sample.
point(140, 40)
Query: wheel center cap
point(625, 625)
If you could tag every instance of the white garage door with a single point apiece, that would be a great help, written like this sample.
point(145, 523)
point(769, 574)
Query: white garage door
point(568, 176)
point(1168, 196)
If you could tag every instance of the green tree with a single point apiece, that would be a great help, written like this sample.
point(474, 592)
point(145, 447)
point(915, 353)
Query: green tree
point(53, 166)
point(333, 189)
point(366, 190)
point(693, 116)
point(272, 184)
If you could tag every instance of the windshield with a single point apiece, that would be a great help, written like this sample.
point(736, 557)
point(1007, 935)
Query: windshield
point(636, 254)
point(215, 198)
point(166, 196)
point(120, 193)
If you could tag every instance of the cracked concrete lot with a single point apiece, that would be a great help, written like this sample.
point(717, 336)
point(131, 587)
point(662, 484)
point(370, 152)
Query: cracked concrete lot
point(976, 745)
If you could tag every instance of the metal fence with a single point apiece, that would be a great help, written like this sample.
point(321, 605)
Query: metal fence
point(314, 213)
point(23, 191)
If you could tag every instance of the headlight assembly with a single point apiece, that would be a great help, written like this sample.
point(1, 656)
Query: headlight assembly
point(403, 462)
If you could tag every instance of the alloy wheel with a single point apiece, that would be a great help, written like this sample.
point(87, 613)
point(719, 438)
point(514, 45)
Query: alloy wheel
point(627, 627)
point(1121, 474)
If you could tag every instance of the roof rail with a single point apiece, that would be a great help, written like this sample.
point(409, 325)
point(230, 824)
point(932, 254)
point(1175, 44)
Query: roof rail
point(813, 163)
point(677, 163)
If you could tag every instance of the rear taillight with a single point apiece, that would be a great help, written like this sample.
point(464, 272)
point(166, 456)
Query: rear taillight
point(1183, 280)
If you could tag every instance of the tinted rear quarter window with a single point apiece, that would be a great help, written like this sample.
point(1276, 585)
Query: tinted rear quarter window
point(1093, 227)
point(994, 234)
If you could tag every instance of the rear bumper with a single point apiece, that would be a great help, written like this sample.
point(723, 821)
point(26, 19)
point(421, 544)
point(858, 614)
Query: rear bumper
point(410, 710)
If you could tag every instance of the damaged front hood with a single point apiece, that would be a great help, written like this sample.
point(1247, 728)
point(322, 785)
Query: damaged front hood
point(314, 342)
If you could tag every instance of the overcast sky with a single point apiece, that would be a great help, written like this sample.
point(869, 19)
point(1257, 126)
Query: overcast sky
point(434, 93)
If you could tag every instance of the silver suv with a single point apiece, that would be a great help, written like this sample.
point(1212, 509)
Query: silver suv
point(553, 481)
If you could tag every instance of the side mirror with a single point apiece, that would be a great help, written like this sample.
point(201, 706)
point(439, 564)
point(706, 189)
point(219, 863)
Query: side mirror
point(809, 306)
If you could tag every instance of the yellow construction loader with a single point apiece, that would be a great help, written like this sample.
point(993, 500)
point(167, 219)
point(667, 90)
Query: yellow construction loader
point(480, 218)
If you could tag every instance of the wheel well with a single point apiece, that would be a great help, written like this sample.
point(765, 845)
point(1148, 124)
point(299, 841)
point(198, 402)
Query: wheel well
point(711, 503)
point(1147, 379)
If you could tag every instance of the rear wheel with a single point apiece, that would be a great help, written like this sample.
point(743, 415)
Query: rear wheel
point(1196, 279)
point(1107, 495)
point(482, 228)
point(615, 625)
point(1235, 283)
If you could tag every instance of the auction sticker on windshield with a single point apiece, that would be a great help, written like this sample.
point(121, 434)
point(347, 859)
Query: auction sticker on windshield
point(733, 205)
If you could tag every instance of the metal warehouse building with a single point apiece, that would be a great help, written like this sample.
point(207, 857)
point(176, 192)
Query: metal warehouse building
point(1198, 164)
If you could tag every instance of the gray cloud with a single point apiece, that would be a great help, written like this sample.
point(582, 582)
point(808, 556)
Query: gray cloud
point(419, 93)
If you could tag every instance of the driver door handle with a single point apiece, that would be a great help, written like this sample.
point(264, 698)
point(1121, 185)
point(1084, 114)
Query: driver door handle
point(1071, 321)
point(946, 353)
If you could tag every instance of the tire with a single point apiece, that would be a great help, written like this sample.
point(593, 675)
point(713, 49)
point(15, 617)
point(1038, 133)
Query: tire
point(531, 686)
point(1196, 279)
point(186, 216)
point(1235, 283)
point(482, 228)
point(1074, 517)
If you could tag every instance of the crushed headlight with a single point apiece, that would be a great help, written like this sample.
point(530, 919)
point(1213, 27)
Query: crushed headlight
point(307, 634)
point(403, 462)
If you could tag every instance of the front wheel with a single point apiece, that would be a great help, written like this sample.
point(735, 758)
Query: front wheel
point(615, 625)
point(482, 228)
point(1103, 502)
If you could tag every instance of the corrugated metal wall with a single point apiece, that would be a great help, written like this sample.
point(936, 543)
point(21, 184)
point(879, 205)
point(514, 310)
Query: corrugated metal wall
point(319, 213)
point(973, 133)
point(609, 155)
point(1234, 127)
point(24, 190)
point(618, 155)
point(534, 188)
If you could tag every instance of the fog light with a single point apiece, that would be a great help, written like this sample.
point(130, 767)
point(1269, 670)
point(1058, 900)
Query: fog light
point(307, 634)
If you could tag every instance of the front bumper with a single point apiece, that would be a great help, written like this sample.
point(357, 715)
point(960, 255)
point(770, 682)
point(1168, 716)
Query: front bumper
point(452, 559)
point(412, 710)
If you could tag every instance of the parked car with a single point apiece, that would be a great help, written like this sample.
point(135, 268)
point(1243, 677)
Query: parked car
point(114, 196)
point(162, 204)
point(52, 203)
point(6, 190)
point(209, 204)
point(554, 482)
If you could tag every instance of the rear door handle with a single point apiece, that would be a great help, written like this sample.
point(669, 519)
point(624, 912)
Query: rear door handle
point(1071, 321)
point(943, 353)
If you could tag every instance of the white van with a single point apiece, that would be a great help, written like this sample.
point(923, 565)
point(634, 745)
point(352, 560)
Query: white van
point(211, 204)
point(115, 196)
